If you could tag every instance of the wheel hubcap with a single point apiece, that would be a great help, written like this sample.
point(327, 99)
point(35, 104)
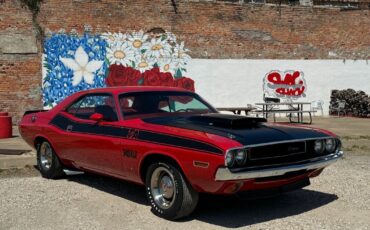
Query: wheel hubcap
point(166, 187)
point(163, 187)
point(46, 156)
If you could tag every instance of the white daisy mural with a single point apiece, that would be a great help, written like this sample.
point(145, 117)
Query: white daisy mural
point(72, 63)
point(181, 53)
point(114, 38)
point(138, 42)
point(144, 63)
point(159, 48)
point(120, 53)
point(167, 64)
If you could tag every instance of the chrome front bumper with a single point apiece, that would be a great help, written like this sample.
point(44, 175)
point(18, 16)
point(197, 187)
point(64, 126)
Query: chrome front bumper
point(224, 174)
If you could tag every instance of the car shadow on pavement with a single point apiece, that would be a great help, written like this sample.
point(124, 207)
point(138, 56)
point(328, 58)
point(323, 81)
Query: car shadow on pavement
point(225, 211)
point(231, 212)
point(121, 188)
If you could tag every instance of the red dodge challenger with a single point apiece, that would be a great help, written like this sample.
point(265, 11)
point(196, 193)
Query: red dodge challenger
point(176, 144)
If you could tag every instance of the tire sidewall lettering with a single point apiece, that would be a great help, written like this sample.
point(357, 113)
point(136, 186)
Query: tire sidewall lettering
point(176, 206)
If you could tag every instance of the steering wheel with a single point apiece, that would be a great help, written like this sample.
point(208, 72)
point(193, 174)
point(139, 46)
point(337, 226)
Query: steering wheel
point(185, 110)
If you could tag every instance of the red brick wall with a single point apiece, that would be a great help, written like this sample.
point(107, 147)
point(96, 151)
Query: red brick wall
point(14, 16)
point(20, 66)
point(224, 30)
point(210, 29)
point(20, 85)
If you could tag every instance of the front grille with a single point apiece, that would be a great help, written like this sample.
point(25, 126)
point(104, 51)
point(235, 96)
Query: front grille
point(280, 154)
point(277, 150)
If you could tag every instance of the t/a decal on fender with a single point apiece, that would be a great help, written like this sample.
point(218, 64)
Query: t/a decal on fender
point(133, 134)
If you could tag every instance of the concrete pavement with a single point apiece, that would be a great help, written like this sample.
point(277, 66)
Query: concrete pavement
point(15, 153)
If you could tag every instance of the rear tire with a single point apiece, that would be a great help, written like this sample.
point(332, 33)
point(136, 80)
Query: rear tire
point(48, 162)
point(170, 196)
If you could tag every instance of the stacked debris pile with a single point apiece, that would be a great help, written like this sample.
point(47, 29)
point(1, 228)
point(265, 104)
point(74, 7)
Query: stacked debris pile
point(357, 103)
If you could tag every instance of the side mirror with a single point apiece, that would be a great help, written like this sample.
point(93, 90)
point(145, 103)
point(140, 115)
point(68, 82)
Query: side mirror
point(96, 117)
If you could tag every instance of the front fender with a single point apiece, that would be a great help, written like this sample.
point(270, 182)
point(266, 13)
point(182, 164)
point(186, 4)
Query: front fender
point(199, 168)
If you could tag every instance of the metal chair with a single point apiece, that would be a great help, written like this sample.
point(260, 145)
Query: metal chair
point(318, 106)
point(341, 105)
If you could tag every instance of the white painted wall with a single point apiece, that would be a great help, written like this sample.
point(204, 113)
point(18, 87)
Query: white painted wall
point(238, 82)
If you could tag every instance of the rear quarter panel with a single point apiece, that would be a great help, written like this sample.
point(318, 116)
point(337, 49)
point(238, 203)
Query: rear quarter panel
point(34, 125)
point(37, 124)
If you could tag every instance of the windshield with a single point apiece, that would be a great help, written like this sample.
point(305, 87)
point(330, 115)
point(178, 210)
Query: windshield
point(147, 104)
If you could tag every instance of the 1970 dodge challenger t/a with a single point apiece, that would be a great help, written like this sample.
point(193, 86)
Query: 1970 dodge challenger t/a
point(176, 144)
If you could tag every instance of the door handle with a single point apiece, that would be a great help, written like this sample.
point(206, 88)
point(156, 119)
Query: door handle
point(69, 128)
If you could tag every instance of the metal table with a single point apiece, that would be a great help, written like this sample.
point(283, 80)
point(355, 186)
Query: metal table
point(294, 107)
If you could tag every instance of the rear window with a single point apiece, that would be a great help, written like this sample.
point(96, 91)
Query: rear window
point(84, 107)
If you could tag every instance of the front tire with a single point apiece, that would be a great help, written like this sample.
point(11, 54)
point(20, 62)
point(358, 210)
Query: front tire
point(48, 162)
point(170, 196)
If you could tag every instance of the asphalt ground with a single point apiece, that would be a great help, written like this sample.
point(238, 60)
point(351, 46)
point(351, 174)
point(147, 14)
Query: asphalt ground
point(338, 199)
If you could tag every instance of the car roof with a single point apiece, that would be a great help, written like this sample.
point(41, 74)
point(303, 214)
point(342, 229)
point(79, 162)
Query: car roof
point(116, 90)
point(126, 89)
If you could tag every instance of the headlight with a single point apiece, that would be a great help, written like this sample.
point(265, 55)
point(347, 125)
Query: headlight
point(241, 156)
point(229, 159)
point(319, 146)
point(236, 157)
point(330, 145)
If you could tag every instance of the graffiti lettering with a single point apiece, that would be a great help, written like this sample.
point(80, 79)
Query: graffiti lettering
point(292, 84)
point(290, 92)
point(289, 79)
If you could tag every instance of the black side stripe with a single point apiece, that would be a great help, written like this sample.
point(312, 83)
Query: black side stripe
point(63, 122)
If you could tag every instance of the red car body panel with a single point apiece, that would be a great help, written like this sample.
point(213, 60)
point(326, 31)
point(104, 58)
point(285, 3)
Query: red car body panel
point(106, 154)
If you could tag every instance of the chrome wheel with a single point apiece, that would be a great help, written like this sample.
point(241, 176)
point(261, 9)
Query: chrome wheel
point(163, 187)
point(46, 156)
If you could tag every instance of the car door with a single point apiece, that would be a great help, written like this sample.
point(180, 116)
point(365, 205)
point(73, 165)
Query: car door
point(92, 144)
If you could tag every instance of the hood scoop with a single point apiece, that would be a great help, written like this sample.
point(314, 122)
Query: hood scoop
point(227, 120)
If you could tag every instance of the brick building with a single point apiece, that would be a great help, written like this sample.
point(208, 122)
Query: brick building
point(234, 29)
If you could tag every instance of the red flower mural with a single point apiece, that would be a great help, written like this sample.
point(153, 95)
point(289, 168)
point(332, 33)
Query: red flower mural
point(120, 75)
point(116, 76)
point(133, 76)
point(185, 83)
point(166, 79)
point(151, 77)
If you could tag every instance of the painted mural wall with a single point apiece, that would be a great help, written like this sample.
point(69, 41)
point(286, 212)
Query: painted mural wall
point(238, 82)
point(72, 63)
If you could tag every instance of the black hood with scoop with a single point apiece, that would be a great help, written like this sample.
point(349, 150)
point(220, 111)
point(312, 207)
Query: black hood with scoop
point(246, 130)
point(225, 120)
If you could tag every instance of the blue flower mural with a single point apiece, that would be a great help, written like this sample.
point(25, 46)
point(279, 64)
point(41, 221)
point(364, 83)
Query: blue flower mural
point(72, 64)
